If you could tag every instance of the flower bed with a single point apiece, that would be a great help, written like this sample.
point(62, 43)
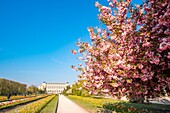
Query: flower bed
point(11, 103)
point(4, 98)
point(34, 107)
point(123, 108)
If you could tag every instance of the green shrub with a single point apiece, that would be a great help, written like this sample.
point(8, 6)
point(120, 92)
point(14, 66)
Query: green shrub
point(123, 108)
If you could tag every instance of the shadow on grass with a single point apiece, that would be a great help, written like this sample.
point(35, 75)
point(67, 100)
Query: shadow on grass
point(125, 107)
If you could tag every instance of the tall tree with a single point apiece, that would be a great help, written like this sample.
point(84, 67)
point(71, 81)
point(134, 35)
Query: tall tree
point(130, 57)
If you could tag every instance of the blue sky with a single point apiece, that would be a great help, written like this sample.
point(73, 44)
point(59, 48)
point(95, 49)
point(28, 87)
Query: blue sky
point(36, 37)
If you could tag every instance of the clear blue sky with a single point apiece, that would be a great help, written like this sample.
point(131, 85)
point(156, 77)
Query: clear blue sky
point(36, 37)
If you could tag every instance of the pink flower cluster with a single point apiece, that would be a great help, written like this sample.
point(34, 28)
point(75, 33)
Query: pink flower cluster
point(132, 55)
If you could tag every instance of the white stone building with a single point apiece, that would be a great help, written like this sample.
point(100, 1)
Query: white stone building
point(54, 88)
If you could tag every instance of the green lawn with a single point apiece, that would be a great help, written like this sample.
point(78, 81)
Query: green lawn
point(92, 105)
point(84, 104)
point(51, 106)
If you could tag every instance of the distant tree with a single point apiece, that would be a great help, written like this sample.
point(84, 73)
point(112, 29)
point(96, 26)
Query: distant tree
point(41, 91)
point(3, 87)
point(32, 90)
point(78, 88)
point(65, 90)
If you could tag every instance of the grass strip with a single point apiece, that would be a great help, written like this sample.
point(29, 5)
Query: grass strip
point(51, 106)
point(90, 104)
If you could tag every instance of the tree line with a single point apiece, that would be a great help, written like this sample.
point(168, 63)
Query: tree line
point(15, 88)
point(12, 87)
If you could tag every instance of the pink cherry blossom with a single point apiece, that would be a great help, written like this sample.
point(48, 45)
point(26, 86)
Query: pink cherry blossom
point(122, 59)
point(106, 90)
point(114, 1)
point(97, 4)
point(140, 66)
point(74, 52)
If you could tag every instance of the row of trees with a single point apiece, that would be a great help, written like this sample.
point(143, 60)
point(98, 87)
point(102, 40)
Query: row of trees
point(34, 90)
point(130, 56)
point(15, 88)
point(8, 86)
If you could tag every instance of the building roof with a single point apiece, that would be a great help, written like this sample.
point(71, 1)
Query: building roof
point(56, 83)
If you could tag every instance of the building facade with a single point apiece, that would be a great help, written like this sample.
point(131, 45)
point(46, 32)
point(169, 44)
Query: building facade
point(53, 88)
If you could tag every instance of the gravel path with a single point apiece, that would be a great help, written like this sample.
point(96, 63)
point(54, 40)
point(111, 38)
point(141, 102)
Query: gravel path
point(67, 106)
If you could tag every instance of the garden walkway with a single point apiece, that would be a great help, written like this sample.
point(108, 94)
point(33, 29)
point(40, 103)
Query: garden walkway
point(67, 106)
